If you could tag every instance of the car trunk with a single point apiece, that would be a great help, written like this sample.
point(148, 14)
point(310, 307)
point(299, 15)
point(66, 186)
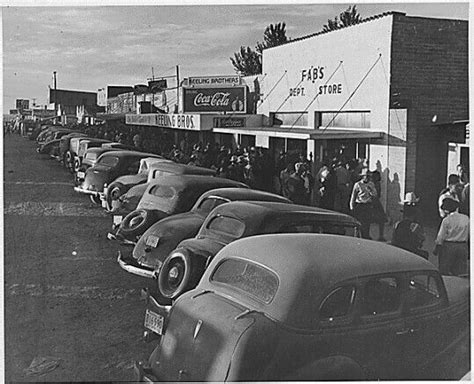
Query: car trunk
point(199, 343)
point(159, 240)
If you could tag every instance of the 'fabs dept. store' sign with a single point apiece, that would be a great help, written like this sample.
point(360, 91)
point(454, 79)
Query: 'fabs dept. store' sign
point(229, 99)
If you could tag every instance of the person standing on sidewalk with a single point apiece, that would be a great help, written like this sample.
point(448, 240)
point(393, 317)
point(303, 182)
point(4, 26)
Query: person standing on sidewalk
point(452, 240)
point(361, 202)
point(452, 191)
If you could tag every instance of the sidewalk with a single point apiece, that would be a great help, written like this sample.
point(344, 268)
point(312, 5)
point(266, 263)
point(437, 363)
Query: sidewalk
point(430, 233)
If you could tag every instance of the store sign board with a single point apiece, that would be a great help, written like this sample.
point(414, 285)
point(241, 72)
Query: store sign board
point(166, 120)
point(232, 99)
point(214, 81)
point(229, 122)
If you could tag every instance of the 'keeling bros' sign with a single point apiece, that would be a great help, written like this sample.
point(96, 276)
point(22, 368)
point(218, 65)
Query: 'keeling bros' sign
point(170, 120)
point(230, 99)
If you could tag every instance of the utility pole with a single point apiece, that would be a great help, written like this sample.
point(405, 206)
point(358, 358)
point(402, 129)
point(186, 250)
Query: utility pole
point(55, 96)
point(177, 86)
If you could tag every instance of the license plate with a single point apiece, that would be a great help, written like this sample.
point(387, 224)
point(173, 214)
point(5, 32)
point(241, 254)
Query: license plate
point(117, 219)
point(154, 322)
point(152, 241)
point(81, 175)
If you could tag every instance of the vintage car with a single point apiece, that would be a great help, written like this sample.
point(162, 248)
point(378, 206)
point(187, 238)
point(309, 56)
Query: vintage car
point(308, 307)
point(147, 174)
point(162, 237)
point(92, 155)
point(184, 266)
point(110, 165)
point(165, 197)
point(84, 145)
point(64, 145)
point(50, 134)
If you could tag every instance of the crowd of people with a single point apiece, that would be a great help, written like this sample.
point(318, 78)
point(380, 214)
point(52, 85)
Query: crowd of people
point(338, 184)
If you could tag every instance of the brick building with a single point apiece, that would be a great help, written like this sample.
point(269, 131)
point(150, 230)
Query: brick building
point(376, 89)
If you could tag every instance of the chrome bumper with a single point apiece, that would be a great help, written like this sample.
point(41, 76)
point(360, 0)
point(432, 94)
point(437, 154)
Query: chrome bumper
point(136, 270)
point(86, 191)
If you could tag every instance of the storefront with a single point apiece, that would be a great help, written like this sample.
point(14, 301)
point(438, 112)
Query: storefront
point(372, 89)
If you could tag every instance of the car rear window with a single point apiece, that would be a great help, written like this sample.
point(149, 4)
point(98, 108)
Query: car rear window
point(110, 161)
point(162, 191)
point(227, 226)
point(252, 279)
point(91, 156)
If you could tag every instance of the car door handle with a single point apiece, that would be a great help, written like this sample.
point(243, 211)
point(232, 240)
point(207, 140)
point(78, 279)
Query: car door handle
point(406, 331)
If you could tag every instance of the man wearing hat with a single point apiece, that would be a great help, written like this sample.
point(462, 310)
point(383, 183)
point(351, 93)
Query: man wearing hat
point(361, 202)
point(452, 240)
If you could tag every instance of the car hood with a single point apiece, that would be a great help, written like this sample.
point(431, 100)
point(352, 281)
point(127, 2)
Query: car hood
point(132, 179)
point(201, 336)
point(170, 231)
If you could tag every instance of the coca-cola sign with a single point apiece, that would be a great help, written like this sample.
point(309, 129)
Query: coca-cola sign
point(231, 99)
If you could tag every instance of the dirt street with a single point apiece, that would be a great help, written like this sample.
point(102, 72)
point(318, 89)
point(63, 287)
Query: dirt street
point(71, 313)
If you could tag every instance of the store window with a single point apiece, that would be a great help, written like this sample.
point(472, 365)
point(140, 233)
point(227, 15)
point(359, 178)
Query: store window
point(358, 119)
point(290, 119)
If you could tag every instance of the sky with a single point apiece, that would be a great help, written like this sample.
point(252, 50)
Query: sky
point(91, 47)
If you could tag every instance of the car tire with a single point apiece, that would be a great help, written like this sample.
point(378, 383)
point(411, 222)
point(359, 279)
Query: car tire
point(114, 191)
point(179, 273)
point(95, 199)
point(137, 222)
point(69, 162)
point(77, 164)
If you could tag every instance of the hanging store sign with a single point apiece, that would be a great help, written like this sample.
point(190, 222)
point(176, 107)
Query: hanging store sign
point(213, 81)
point(231, 100)
point(166, 120)
point(228, 122)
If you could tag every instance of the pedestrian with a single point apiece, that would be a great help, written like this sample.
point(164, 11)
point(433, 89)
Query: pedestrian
point(452, 191)
point(327, 188)
point(361, 202)
point(343, 191)
point(296, 188)
point(284, 177)
point(408, 233)
point(464, 206)
point(452, 240)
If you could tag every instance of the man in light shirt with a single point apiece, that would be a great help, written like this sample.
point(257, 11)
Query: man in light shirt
point(452, 191)
point(452, 240)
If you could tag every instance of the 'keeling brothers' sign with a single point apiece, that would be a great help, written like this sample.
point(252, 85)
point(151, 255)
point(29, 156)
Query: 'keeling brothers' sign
point(166, 120)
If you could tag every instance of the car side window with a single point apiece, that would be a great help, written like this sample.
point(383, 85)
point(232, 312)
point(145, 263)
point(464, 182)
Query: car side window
point(207, 205)
point(424, 291)
point(381, 295)
point(337, 304)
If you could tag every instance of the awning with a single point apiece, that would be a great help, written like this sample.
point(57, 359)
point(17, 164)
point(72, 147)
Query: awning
point(456, 131)
point(303, 133)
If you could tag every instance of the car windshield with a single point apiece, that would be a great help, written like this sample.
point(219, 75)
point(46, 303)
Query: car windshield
point(254, 280)
point(223, 225)
point(109, 161)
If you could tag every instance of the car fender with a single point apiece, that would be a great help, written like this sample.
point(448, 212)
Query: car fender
point(330, 368)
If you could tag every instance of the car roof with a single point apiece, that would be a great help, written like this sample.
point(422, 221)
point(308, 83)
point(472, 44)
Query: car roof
point(178, 168)
point(126, 153)
point(244, 194)
point(308, 265)
point(184, 181)
point(261, 209)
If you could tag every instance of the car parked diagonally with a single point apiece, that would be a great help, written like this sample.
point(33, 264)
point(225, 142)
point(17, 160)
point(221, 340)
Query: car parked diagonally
point(183, 268)
point(109, 166)
point(146, 174)
point(165, 197)
point(162, 237)
point(308, 307)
